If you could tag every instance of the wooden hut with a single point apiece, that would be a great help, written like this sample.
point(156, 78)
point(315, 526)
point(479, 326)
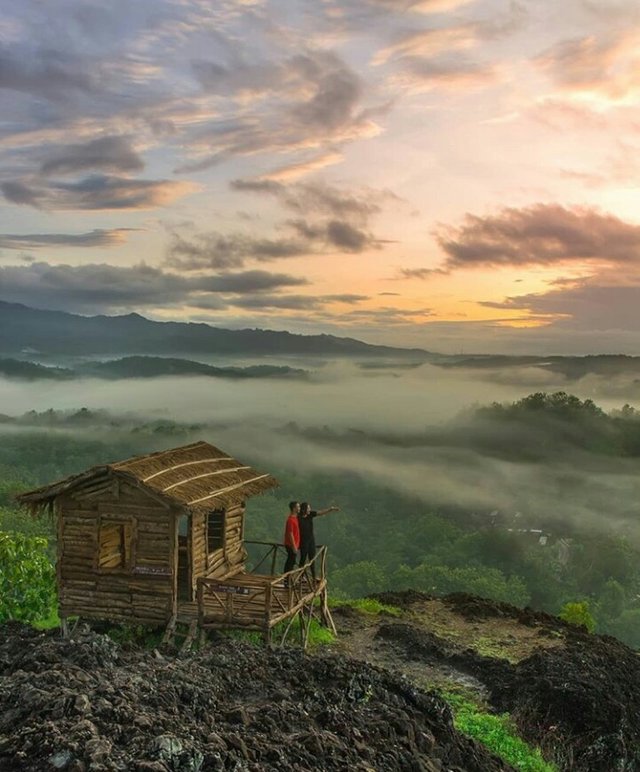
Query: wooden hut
point(159, 539)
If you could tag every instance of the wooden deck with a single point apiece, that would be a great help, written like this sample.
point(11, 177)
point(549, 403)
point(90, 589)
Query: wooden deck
point(253, 601)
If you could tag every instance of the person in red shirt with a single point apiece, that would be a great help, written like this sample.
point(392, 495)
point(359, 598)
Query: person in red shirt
point(292, 536)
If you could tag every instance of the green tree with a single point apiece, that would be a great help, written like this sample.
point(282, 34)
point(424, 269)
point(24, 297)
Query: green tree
point(611, 602)
point(476, 580)
point(27, 578)
point(359, 579)
point(627, 627)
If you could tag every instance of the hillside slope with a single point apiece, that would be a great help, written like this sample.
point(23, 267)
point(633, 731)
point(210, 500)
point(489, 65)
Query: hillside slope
point(573, 694)
point(87, 703)
point(365, 703)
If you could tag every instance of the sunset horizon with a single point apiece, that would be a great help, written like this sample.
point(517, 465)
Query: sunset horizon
point(453, 175)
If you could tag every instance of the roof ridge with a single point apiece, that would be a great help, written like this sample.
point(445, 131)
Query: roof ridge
point(158, 453)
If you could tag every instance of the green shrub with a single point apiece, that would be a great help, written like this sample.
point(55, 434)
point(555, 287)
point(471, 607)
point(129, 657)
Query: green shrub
point(27, 578)
point(578, 613)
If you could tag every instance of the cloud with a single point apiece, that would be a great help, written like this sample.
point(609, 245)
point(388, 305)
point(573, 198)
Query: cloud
point(337, 92)
point(101, 287)
point(543, 234)
point(312, 100)
point(335, 233)
point(19, 193)
point(247, 281)
point(293, 171)
point(295, 302)
point(451, 73)
point(320, 199)
point(419, 273)
point(335, 219)
point(215, 250)
point(113, 154)
point(441, 56)
point(347, 297)
point(94, 238)
point(285, 302)
point(429, 43)
point(96, 192)
point(587, 304)
point(48, 74)
point(606, 65)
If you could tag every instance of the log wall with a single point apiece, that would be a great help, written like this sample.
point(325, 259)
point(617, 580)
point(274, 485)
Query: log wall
point(115, 554)
point(232, 554)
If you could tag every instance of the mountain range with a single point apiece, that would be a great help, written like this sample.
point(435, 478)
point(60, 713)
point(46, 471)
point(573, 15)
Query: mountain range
point(33, 331)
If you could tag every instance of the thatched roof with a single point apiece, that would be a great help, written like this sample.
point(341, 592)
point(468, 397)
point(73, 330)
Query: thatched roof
point(196, 477)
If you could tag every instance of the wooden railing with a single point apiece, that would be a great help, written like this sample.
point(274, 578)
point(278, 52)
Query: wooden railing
point(275, 551)
point(259, 601)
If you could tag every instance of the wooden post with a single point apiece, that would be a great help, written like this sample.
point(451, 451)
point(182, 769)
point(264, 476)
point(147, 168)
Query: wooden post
point(274, 549)
point(267, 615)
point(325, 613)
point(229, 607)
point(200, 596)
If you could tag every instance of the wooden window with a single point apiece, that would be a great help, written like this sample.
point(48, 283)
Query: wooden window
point(114, 544)
point(215, 530)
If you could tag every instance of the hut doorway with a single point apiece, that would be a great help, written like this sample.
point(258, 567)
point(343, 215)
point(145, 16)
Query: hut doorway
point(185, 591)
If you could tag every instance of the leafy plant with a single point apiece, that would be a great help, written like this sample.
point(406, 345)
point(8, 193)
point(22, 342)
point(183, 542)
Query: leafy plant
point(578, 613)
point(27, 578)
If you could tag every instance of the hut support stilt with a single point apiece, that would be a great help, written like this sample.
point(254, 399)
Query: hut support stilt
point(170, 632)
point(191, 634)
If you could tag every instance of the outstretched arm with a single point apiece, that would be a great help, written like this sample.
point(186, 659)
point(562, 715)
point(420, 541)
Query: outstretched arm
point(326, 511)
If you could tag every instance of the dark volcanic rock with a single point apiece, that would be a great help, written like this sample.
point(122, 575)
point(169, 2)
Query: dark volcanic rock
point(87, 704)
point(581, 702)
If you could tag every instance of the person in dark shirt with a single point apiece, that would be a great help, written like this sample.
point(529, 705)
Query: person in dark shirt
point(307, 536)
point(292, 536)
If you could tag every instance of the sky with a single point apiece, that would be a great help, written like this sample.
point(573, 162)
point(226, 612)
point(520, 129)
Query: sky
point(458, 175)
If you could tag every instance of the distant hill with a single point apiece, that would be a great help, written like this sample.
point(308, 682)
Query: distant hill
point(141, 367)
point(29, 371)
point(56, 332)
point(571, 367)
point(152, 367)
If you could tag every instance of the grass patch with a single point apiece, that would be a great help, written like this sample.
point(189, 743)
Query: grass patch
point(488, 647)
point(368, 606)
point(497, 733)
